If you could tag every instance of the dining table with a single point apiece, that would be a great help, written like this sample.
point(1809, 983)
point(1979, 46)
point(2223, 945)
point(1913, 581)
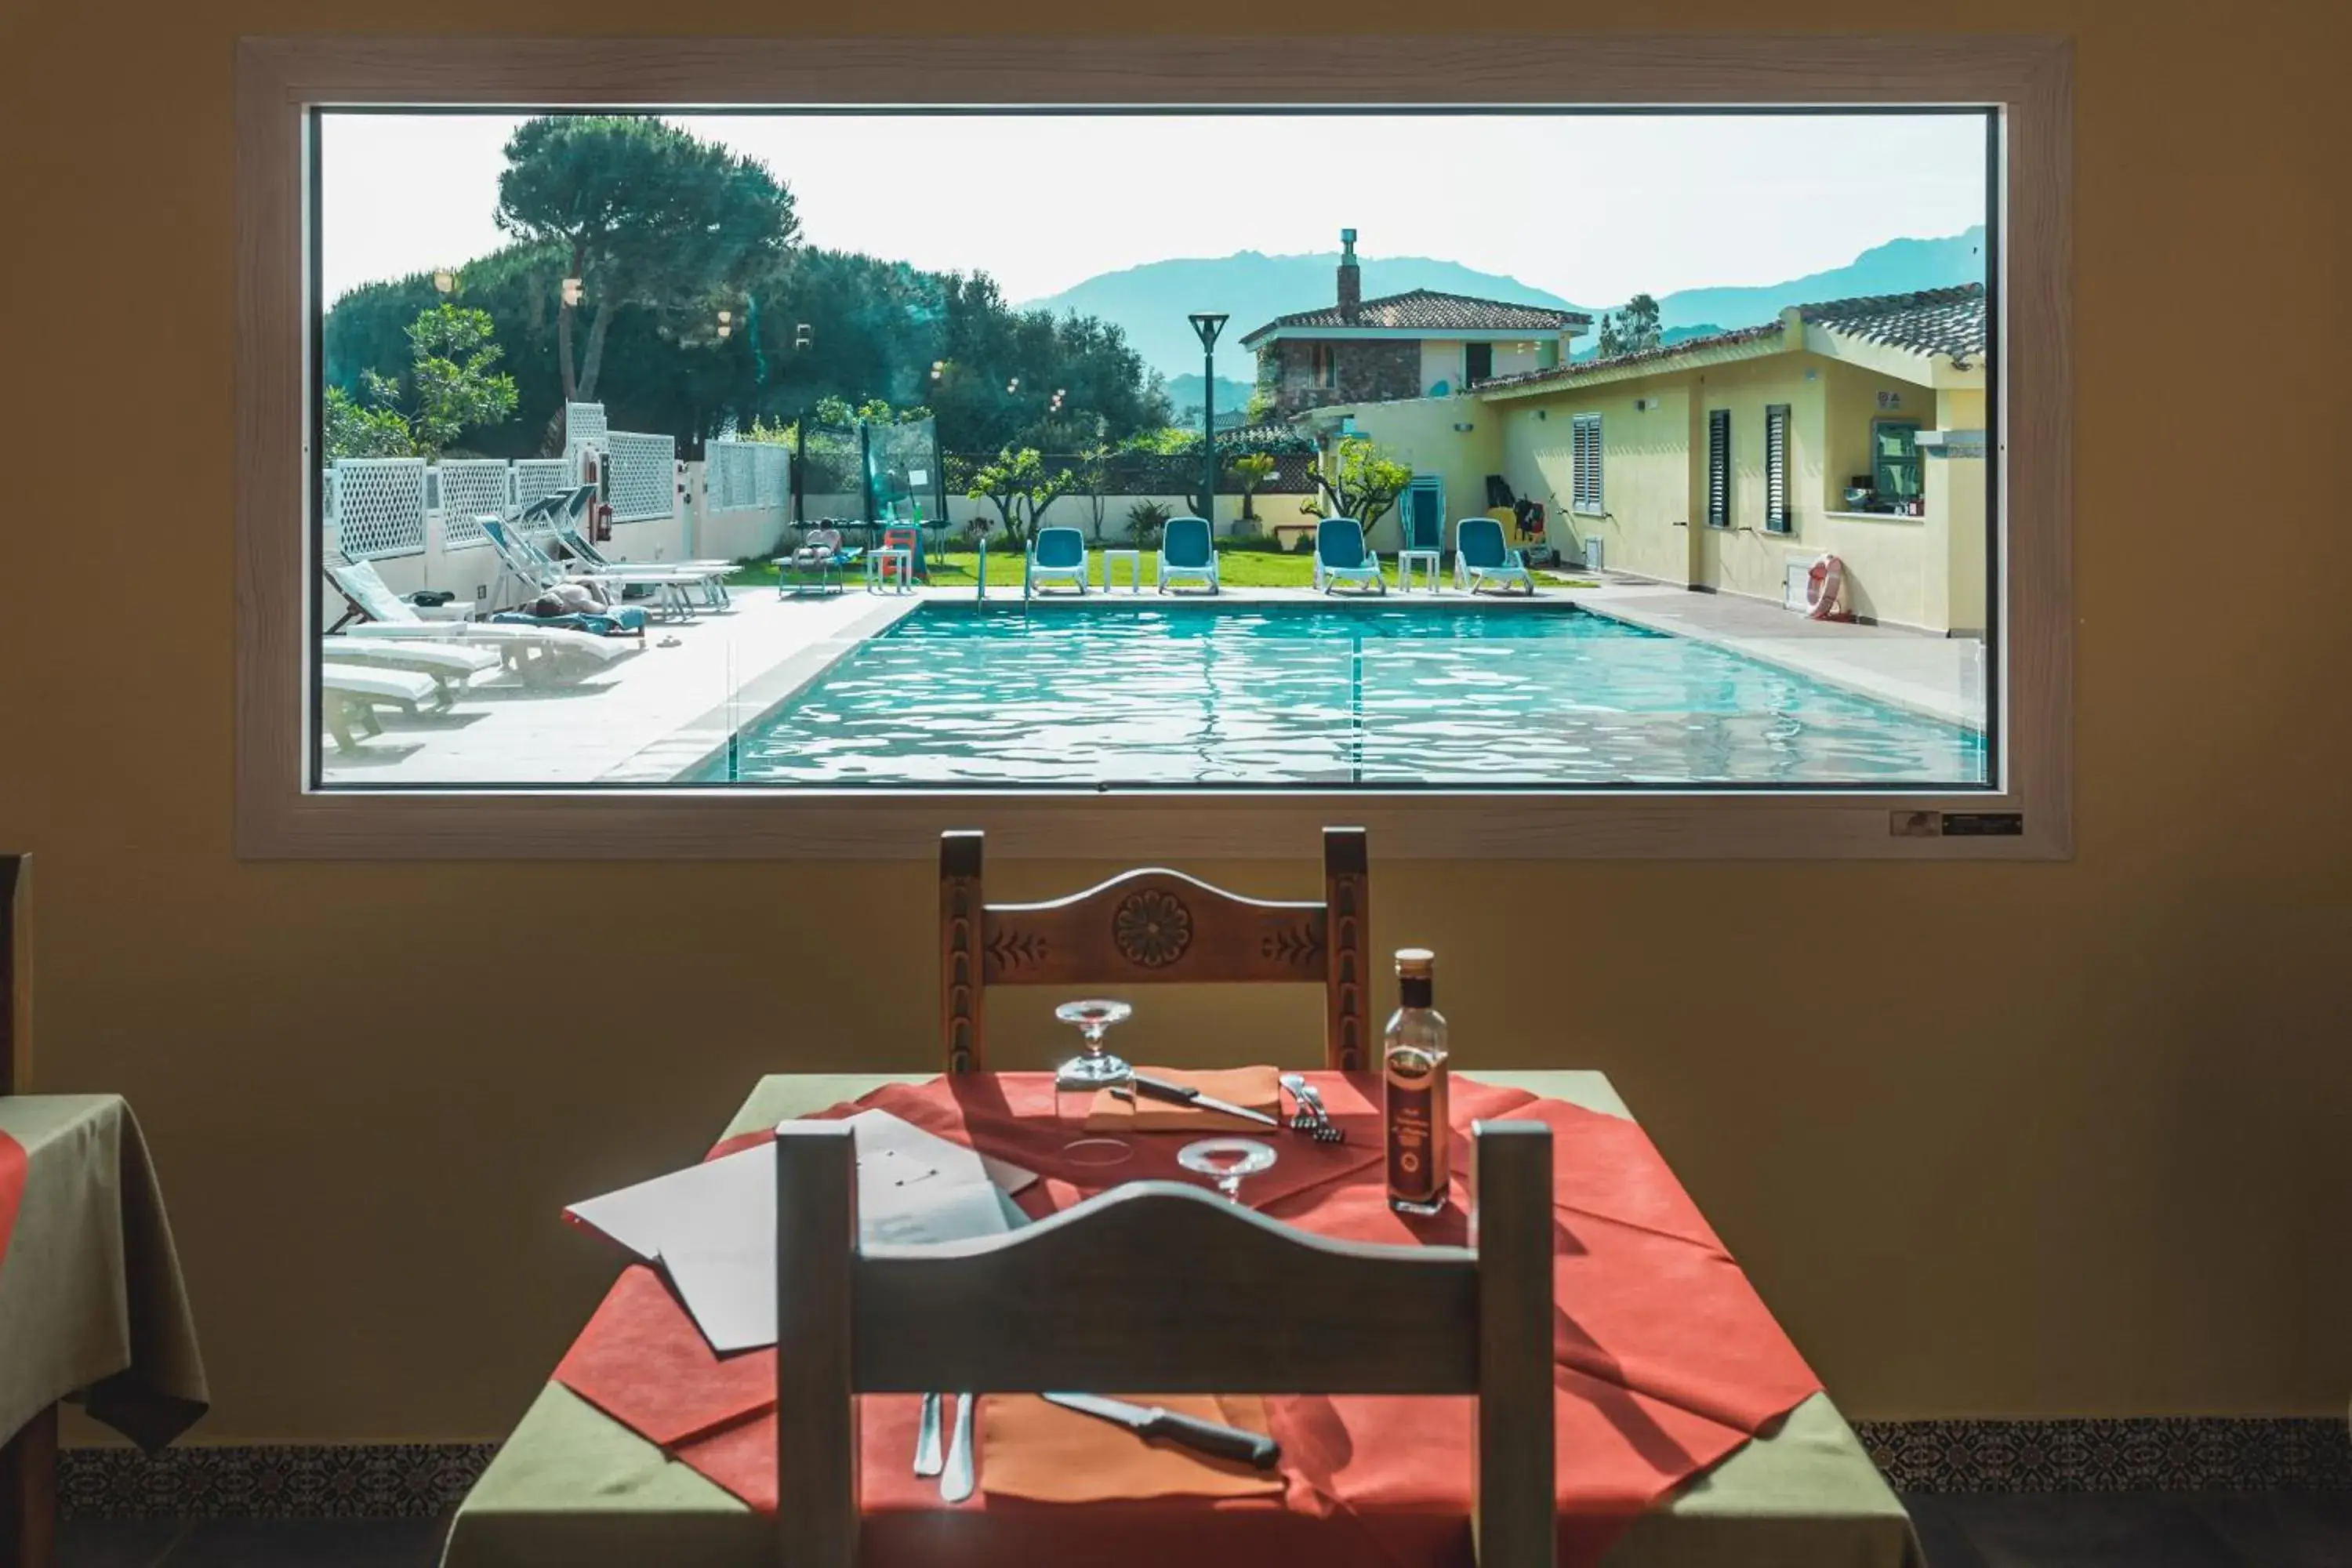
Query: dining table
point(1690, 1431)
point(92, 1306)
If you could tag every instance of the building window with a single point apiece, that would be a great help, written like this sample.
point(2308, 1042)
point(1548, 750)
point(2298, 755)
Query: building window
point(1322, 365)
point(1584, 464)
point(1718, 468)
point(1478, 363)
point(1894, 464)
point(1776, 471)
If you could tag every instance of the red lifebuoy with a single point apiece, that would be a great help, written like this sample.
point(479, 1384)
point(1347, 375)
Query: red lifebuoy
point(1824, 584)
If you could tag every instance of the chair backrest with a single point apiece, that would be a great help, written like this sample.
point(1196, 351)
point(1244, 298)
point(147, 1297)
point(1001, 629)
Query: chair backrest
point(571, 539)
point(1156, 927)
point(1156, 1285)
point(1480, 540)
point(905, 536)
point(1061, 547)
point(1185, 542)
point(1339, 541)
point(364, 586)
point(522, 557)
point(15, 973)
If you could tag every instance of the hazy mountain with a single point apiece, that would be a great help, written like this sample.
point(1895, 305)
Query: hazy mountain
point(1152, 302)
point(1184, 396)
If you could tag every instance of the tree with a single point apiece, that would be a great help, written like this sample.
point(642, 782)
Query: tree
point(1631, 330)
point(1021, 490)
point(451, 381)
point(1360, 482)
point(645, 214)
point(1252, 469)
point(372, 429)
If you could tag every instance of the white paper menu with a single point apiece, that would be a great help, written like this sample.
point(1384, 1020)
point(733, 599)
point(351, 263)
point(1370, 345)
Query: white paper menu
point(713, 1227)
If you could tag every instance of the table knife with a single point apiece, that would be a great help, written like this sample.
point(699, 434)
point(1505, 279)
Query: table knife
point(1185, 1094)
point(1153, 1421)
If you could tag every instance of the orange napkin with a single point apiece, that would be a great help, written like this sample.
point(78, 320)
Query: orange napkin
point(1253, 1088)
point(1041, 1452)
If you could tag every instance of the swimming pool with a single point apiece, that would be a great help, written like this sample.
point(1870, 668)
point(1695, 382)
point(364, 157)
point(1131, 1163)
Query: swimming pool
point(1270, 694)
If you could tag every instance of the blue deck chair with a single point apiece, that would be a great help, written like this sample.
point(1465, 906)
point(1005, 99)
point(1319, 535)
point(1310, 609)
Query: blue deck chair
point(1340, 557)
point(1056, 555)
point(1185, 551)
point(1481, 557)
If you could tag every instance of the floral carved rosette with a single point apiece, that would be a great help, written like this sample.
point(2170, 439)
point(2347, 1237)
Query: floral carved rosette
point(1151, 928)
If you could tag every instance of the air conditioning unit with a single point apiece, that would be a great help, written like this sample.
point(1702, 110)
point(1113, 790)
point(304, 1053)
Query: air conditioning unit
point(1592, 553)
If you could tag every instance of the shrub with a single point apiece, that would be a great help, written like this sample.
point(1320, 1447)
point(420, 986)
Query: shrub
point(1146, 520)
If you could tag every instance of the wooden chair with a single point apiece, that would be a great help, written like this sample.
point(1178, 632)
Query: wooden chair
point(1160, 1286)
point(1156, 927)
point(28, 1458)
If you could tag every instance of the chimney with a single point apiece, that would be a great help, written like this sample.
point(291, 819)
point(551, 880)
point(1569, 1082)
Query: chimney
point(1352, 277)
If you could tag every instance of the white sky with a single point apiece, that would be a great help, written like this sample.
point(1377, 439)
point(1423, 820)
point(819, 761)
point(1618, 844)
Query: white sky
point(1592, 207)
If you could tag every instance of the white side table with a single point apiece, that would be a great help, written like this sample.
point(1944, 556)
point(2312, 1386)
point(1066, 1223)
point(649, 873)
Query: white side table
point(1134, 559)
point(1407, 559)
point(876, 563)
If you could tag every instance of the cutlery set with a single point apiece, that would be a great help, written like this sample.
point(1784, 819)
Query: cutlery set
point(955, 1470)
point(1310, 1117)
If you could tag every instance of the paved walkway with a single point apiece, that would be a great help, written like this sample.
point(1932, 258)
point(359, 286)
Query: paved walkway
point(663, 713)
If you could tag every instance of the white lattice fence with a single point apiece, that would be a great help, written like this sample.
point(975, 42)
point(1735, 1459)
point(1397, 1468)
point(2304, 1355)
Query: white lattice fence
point(583, 424)
point(772, 483)
point(537, 477)
point(731, 475)
point(642, 476)
point(379, 506)
point(470, 487)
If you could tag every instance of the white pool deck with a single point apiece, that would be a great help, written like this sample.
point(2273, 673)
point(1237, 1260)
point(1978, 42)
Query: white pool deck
point(659, 715)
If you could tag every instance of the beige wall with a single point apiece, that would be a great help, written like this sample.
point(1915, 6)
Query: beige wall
point(1990, 1138)
point(1422, 433)
point(1644, 467)
point(1956, 506)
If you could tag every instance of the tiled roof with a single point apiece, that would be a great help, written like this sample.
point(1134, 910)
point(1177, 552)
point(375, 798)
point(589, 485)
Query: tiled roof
point(1639, 356)
point(1931, 321)
point(1426, 310)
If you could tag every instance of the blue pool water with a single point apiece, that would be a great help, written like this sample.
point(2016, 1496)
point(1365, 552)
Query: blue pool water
point(1319, 693)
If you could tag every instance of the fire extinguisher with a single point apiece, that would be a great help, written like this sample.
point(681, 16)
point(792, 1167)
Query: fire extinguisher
point(600, 511)
point(600, 522)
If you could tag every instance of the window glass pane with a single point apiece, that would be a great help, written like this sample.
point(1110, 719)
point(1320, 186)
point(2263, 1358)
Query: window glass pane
point(750, 449)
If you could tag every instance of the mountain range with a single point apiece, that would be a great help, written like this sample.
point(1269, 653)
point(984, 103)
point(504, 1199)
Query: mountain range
point(1152, 302)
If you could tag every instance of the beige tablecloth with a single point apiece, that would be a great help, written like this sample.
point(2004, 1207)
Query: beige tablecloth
point(573, 1488)
point(91, 1303)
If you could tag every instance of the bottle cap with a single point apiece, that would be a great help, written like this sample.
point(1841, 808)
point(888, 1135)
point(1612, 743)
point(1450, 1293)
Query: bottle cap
point(1415, 963)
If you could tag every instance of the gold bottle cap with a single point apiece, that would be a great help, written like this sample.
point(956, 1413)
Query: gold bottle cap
point(1415, 963)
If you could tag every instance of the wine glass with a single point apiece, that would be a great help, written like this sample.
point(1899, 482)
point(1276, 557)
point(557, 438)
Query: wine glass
point(1092, 1071)
point(1226, 1161)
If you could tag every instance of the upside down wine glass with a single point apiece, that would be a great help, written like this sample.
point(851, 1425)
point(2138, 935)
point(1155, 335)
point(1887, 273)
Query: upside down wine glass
point(1092, 1071)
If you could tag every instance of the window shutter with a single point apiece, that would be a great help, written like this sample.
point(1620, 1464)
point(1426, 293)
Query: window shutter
point(1718, 468)
point(1584, 450)
point(1776, 469)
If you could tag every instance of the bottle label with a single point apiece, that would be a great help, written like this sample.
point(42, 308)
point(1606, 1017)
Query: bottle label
point(1416, 1159)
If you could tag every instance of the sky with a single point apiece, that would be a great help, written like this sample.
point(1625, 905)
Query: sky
point(1592, 207)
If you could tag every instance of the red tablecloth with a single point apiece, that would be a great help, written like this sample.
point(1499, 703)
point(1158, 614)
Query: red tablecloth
point(12, 1187)
point(1667, 1359)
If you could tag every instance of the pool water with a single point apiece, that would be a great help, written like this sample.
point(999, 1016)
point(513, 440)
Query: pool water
point(1322, 694)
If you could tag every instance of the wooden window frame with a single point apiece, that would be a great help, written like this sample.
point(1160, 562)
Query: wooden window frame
point(2027, 81)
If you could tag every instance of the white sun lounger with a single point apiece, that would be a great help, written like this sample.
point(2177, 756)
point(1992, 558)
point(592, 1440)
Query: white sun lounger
point(541, 570)
point(450, 665)
point(349, 696)
point(551, 655)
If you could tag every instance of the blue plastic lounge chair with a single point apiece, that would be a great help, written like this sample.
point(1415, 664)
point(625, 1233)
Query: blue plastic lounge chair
point(1055, 556)
point(1481, 557)
point(1185, 551)
point(1340, 557)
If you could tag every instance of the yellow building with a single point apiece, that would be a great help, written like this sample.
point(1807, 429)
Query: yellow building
point(1854, 428)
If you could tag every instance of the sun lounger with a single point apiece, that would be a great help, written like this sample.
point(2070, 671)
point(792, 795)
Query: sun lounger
point(820, 553)
point(349, 697)
point(1340, 557)
point(1055, 556)
point(539, 653)
point(714, 573)
point(1187, 551)
point(1481, 557)
point(539, 570)
point(449, 665)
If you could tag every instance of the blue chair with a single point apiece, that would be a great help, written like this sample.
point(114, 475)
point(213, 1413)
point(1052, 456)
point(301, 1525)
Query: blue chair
point(1480, 557)
point(1055, 556)
point(1186, 551)
point(1340, 557)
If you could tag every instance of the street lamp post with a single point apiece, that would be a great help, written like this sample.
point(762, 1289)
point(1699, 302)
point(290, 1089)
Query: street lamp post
point(1208, 325)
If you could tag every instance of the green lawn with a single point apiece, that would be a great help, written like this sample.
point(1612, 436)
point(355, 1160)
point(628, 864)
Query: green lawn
point(1235, 569)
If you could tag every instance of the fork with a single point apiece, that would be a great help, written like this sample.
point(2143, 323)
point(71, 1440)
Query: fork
point(927, 1462)
point(1310, 1117)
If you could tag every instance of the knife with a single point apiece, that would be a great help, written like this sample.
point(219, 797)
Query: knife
point(1185, 1094)
point(1152, 1421)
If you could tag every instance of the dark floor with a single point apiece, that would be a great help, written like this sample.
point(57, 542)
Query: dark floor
point(2117, 1530)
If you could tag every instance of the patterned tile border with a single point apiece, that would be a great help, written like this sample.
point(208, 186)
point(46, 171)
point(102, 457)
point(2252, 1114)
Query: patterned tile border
point(2157, 1454)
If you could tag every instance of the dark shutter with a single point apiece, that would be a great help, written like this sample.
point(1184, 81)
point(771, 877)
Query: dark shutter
point(1718, 468)
point(1776, 469)
point(1584, 457)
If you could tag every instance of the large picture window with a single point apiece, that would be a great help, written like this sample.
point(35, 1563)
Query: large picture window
point(677, 455)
